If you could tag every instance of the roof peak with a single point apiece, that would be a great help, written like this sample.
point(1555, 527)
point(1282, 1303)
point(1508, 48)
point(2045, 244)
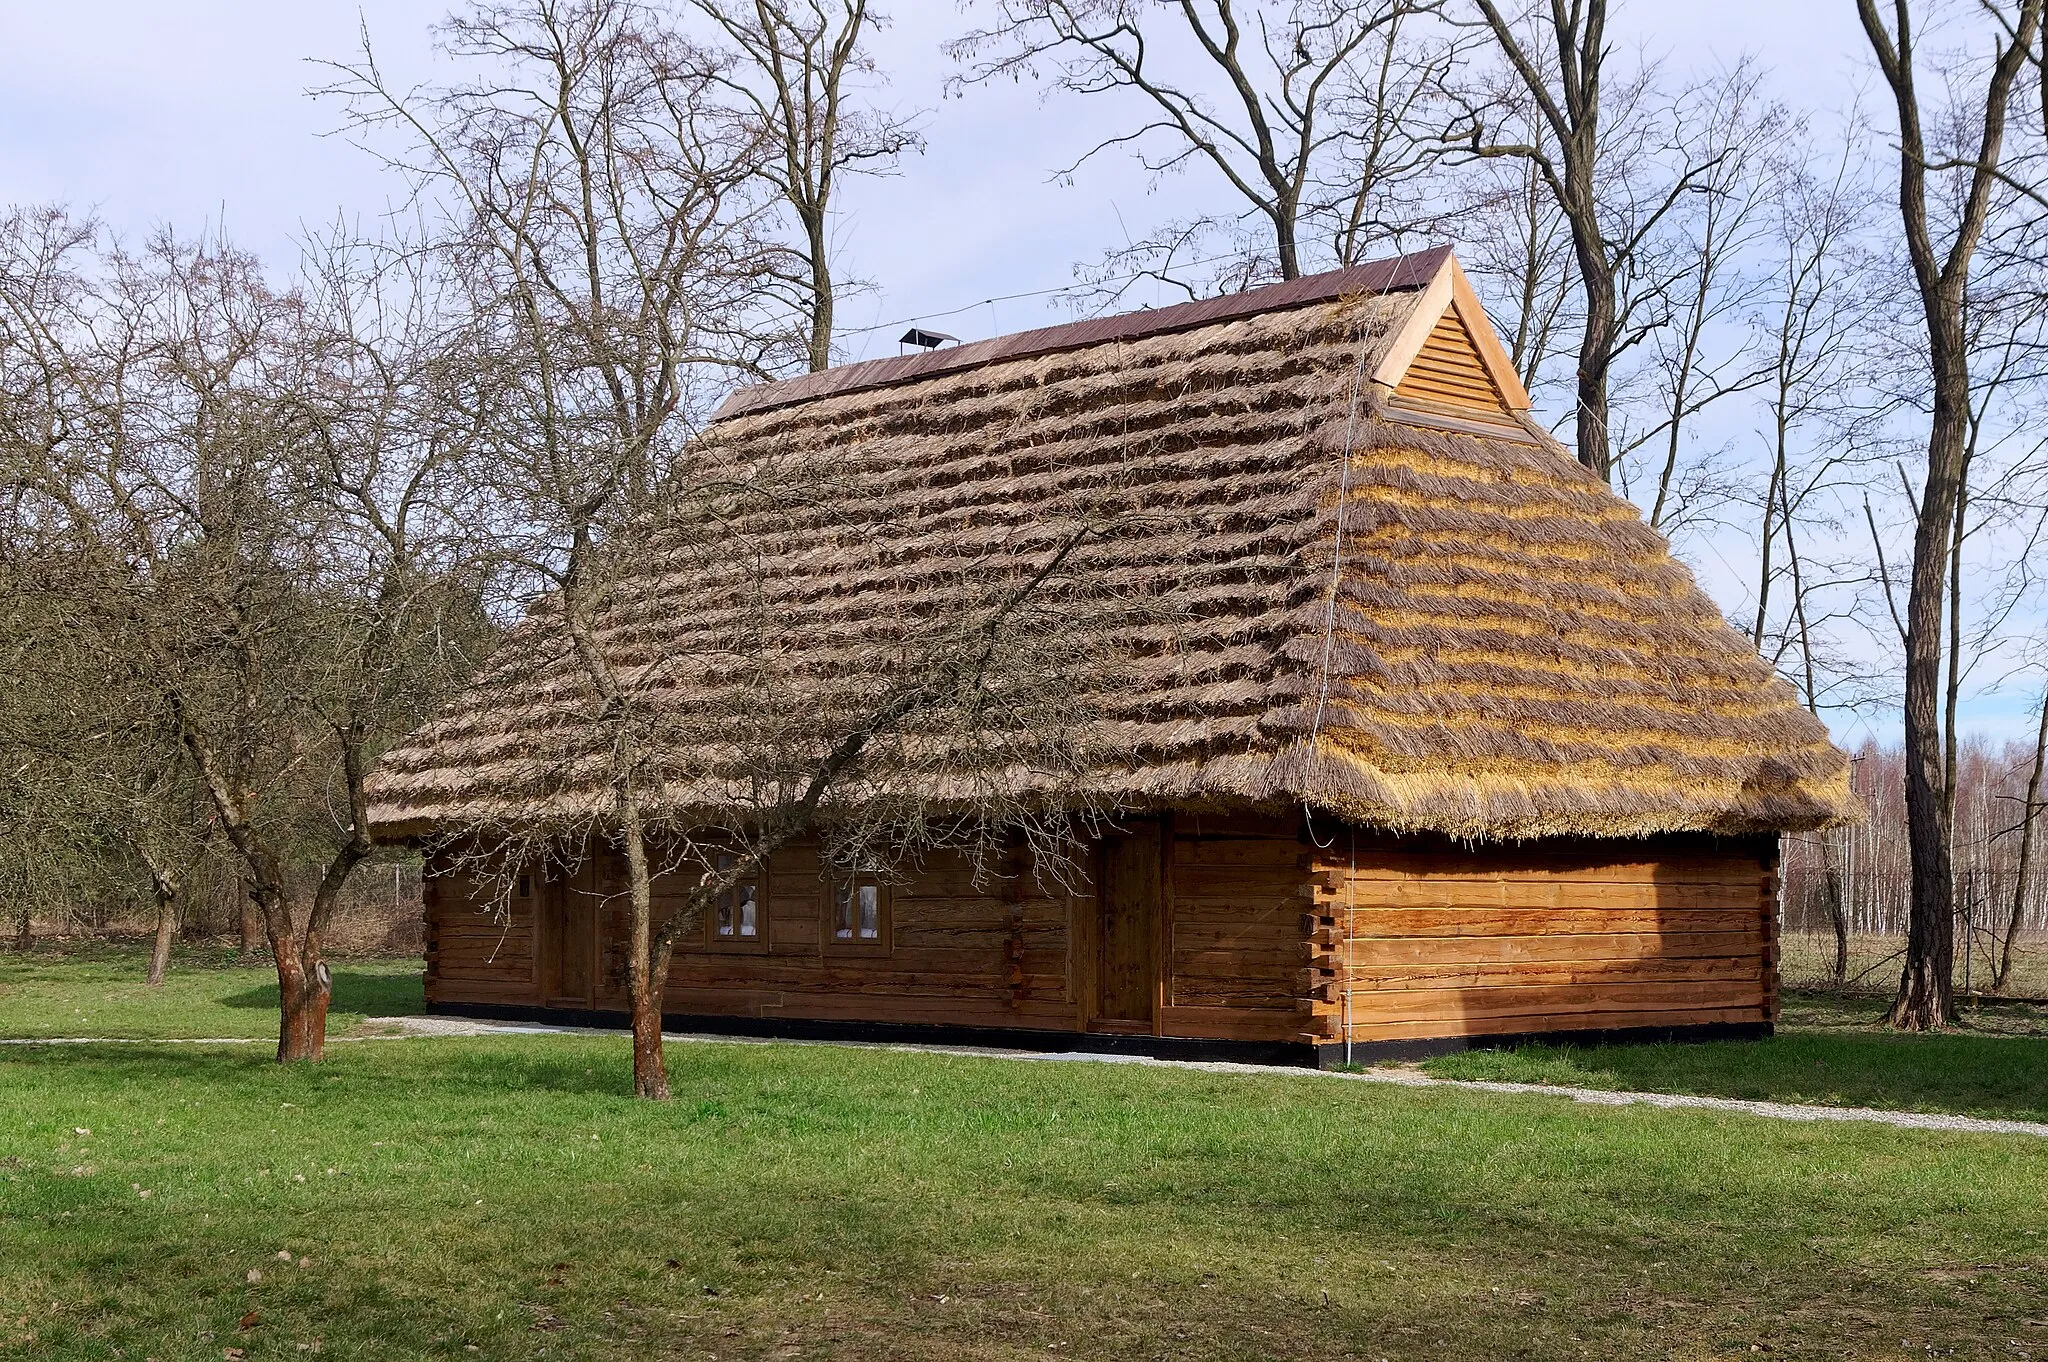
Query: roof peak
point(1392, 275)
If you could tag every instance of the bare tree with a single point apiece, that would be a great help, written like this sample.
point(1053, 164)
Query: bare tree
point(2031, 807)
point(615, 286)
point(802, 63)
point(1965, 186)
point(1707, 278)
point(219, 470)
point(1613, 157)
point(1512, 233)
point(612, 282)
point(1813, 314)
point(1307, 110)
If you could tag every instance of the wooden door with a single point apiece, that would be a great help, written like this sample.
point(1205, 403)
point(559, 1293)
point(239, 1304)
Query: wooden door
point(571, 940)
point(1128, 985)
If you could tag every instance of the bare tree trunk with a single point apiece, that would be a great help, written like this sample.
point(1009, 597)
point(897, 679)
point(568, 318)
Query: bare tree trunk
point(1285, 240)
point(1951, 738)
point(166, 922)
point(1838, 915)
point(252, 928)
point(2029, 816)
point(302, 995)
point(1572, 112)
point(1596, 358)
point(821, 292)
point(1926, 997)
point(647, 969)
point(24, 929)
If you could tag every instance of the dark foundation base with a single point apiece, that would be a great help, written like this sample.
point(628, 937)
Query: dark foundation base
point(1280, 1053)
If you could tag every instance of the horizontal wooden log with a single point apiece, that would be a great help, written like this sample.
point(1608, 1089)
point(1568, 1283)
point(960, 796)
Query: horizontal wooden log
point(1522, 864)
point(1440, 1028)
point(1265, 882)
point(1394, 978)
point(1552, 1000)
point(1274, 854)
point(1385, 894)
point(1743, 942)
point(1233, 993)
point(517, 993)
point(1479, 922)
point(1276, 913)
point(1223, 1022)
point(920, 1009)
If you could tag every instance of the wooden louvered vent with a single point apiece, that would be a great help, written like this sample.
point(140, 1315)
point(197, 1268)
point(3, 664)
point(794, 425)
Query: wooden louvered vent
point(1448, 373)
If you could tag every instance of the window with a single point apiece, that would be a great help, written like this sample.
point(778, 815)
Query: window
point(858, 913)
point(737, 916)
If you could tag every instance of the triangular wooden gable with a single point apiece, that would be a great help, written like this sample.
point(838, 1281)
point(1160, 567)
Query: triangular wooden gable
point(1446, 357)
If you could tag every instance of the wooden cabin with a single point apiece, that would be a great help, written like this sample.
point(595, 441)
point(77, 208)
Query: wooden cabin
point(1442, 747)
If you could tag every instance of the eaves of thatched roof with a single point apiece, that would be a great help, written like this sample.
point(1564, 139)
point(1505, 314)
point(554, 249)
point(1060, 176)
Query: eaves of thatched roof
point(1391, 597)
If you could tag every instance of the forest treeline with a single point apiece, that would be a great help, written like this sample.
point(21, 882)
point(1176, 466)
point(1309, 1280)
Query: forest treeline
point(1854, 882)
point(263, 517)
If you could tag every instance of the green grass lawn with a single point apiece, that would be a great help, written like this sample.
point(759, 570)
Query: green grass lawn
point(88, 988)
point(504, 1198)
point(1828, 1050)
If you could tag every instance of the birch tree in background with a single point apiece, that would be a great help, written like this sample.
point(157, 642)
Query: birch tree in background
point(2027, 820)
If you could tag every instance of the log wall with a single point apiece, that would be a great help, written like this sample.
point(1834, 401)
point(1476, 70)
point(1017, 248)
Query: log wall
point(1236, 891)
point(1425, 940)
point(476, 952)
point(1007, 952)
point(1260, 937)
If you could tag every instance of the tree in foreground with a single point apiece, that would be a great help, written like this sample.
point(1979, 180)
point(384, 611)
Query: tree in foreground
point(234, 491)
point(616, 285)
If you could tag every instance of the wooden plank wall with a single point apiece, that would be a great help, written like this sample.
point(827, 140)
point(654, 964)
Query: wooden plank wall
point(1004, 953)
point(1427, 940)
point(1238, 887)
point(1448, 372)
point(478, 950)
point(959, 953)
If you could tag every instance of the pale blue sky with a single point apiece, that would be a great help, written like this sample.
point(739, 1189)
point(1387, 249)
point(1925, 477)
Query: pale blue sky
point(196, 114)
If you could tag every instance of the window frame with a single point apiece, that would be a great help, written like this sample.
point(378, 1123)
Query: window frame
point(736, 944)
point(884, 940)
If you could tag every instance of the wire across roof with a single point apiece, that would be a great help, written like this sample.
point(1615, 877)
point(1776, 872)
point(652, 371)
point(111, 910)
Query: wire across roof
point(1391, 275)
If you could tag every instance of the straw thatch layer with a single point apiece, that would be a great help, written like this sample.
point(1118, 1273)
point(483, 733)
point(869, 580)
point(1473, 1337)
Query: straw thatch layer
point(1412, 627)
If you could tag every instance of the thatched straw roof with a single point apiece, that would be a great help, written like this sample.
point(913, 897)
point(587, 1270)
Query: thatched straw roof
point(1455, 628)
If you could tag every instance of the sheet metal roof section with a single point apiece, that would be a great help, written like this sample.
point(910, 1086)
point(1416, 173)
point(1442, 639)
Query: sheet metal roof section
point(1392, 275)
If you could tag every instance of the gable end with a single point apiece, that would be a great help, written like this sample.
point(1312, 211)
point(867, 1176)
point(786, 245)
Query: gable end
point(1448, 371)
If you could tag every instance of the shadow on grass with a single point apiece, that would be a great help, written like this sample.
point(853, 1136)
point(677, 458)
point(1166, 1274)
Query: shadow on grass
point(368, 995)
point(440, 1067)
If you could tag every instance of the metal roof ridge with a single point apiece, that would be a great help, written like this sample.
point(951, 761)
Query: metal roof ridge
point(1391, 275)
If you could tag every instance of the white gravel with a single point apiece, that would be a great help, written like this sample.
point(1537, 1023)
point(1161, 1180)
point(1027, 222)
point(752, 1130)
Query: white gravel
point(399, 1028)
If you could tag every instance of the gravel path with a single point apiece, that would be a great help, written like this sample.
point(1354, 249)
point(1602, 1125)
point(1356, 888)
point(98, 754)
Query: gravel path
point(399, 1028)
